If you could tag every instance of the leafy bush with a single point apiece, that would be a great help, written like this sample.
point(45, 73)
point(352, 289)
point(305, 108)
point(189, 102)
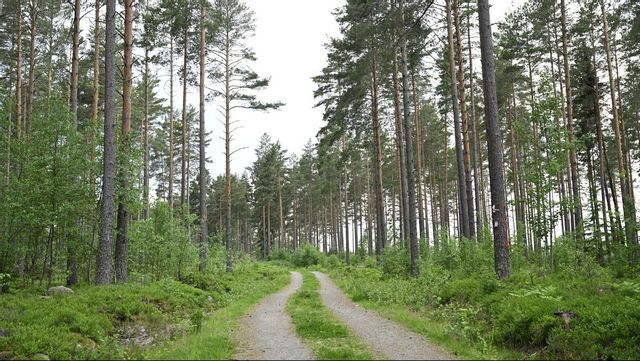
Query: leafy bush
point(330, 262)
point(305, 256)
point(395, 261)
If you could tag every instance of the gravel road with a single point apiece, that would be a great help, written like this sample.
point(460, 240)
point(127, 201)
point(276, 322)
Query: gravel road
point(267, 332)
point(386, 338)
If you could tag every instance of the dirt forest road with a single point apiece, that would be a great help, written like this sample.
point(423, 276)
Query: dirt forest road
point(267, 332)
point(386, 338)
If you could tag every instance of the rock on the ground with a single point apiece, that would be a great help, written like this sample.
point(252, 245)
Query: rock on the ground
point(6, 355)
point(209, 299)
point(4, 332)
point(59, 290)
point(40, 356)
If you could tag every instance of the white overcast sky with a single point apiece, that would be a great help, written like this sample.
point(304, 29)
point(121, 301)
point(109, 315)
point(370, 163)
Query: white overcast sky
point(289, 44)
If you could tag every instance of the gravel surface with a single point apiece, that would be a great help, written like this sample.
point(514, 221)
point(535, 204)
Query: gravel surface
point(386, 338)
point(267, 332)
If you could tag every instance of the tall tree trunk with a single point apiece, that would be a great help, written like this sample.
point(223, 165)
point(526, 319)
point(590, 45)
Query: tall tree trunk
point(227, 153)
point(401, 151)
point(573, 161)
point(347, 248)
point(421, 223)
point(19, 75)
point(202, 165)
point(494, 144)
point(381, 221)
point(96, 85)
point(477, 147)
point(107, 208)
point(462, 186)
point(32, 64)
point(410, 167)
point(628, 205)
point(464, 122)
point(171, 130)
point(145, 127)
point(183, 158)
point(369, 213)
point(281, 239)
point(75, 49)
point(122, 236)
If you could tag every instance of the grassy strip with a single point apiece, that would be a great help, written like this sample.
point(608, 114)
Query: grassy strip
point(329, 339)
point(435, 329)
point(214, 339)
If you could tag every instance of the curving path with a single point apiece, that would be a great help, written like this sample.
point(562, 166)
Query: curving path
point(267, 332)
point(386, 338)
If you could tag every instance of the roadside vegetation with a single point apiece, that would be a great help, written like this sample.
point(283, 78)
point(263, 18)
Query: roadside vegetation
point(190, 318)
point(581, 310)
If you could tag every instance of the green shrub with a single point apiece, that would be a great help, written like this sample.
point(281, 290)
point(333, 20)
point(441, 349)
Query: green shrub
point(305, 256)
point(330, 262)
point(395, 261)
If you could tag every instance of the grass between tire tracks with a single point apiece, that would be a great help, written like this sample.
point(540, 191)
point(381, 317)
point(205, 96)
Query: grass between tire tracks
point(320, 329)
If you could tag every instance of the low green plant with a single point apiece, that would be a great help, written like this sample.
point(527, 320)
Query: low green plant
point(136, 320)
point(318, 327)
point(305, 256)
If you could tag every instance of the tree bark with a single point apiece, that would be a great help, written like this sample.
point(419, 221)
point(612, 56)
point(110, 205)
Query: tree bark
point(401, 151)
point(122, 236)
point(477, 148)
point(628, 205)
point(74, 62)
point(96, 85)
point(494, 144)
point(424, 231)
point(381, 222)
point(32, 64)
point(171, 129)
point(227, 153)
point(462, 186)
point(466, 152)
point(202, 165)
point(410, 165)
point(145, 127)
point(183, 158)
point(107, 208)
point(573, 161)
point(19, 75)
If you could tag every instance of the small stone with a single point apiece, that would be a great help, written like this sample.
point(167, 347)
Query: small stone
point(6, 355)
point(4, 332)
point(40, 356)
point(209, 298)
point(59, 290)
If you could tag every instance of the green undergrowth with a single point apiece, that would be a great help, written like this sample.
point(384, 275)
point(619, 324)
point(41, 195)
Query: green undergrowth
point(328, 337)
point(133, 320)
point(215, 339)
point(457, 302)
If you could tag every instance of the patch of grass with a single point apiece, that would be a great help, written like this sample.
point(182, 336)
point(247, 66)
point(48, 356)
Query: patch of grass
point(165, 319)
point(474, 316)
point(214, 340)
point(329, 339)
point(97, 322)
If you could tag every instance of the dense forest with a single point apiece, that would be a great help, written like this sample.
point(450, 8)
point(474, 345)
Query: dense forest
point(459, 161)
